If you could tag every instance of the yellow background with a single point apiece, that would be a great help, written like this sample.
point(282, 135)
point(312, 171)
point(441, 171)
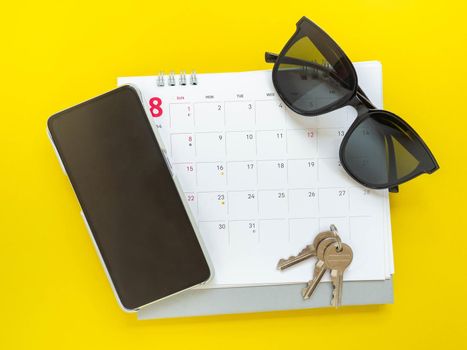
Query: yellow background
point(53, 291)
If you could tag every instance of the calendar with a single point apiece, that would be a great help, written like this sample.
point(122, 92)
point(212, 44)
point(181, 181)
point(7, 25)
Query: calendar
point(262, 181)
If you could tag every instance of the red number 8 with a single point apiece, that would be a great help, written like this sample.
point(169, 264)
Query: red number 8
point(155, 104)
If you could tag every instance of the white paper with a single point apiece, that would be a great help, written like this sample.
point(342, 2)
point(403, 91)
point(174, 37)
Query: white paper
point(262, 181)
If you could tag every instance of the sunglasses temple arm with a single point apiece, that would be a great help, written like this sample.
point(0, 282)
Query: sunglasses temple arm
point(270, 57)
point(360, 101)
point(364, 98)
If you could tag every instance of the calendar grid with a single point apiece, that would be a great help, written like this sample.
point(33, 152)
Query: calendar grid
point(282, 135)
point(261, 181)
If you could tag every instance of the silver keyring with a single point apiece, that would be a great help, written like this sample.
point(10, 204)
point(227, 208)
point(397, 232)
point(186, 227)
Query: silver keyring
point(334, 230)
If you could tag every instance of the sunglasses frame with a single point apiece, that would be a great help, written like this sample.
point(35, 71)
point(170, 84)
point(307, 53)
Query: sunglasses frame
point(356, 98)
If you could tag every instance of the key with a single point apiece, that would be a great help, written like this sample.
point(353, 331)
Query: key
point(308, 252)
point(320, 267)
point(337, 261)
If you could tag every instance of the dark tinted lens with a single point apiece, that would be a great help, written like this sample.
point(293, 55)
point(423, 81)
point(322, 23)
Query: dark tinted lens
point(312, 76)
point(383, 151)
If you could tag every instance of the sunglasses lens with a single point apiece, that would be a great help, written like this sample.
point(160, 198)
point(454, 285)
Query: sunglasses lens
point(383, 151)
point(314, 78)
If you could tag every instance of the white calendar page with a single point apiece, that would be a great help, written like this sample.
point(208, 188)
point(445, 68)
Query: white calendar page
point(262, 181)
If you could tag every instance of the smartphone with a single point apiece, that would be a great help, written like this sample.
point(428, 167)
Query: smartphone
point(131, 201)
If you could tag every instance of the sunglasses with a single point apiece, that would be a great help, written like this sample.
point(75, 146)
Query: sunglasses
point(312, 76)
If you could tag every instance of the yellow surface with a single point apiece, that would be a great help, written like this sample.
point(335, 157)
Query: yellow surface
point(53, 291)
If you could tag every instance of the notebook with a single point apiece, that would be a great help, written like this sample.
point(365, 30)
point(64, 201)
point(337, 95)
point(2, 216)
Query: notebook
point(262, 181)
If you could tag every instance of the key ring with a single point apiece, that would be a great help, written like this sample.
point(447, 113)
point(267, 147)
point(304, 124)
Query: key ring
point(334, 230)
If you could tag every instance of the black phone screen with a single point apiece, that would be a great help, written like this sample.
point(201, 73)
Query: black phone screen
point(128, 196)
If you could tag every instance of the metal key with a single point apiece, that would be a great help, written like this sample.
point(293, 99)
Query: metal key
point(337, 260)
point(308, 252)
point(320, 267)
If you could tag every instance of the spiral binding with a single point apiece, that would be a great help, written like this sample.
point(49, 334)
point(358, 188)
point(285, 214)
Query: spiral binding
point(182, 80)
